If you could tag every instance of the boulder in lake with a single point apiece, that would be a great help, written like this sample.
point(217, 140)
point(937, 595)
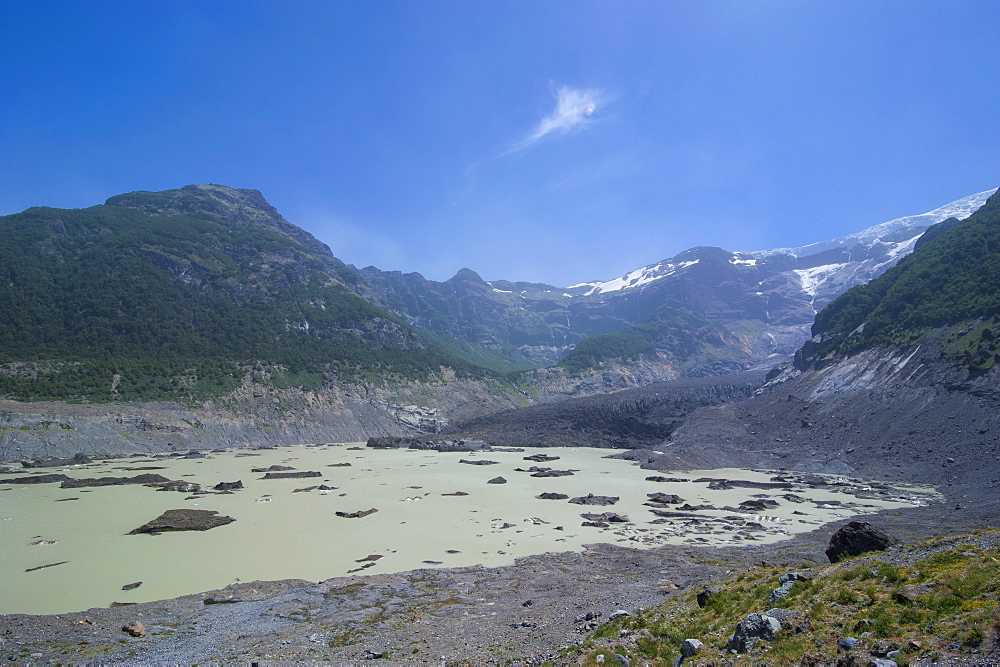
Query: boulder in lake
point(478, 462)
point(610, 517)
point(273, 468)
point(356, 515)
point(552, 473)
point(146, 478)
point(176, 485)
point(38, 479)
point(79, 459)
point(293, 475)
point(229, 486)
point(177, 520)
point(591, 499)
point(541, 458)
point(665, 498)
point(856, 538)
point(758, 505)
point(497, 480)
point(552, 496)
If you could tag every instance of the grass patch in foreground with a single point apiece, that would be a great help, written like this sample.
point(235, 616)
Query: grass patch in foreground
point(926, 601)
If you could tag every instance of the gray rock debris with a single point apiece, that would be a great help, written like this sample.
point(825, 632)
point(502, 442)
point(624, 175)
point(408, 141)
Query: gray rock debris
point(751, 629)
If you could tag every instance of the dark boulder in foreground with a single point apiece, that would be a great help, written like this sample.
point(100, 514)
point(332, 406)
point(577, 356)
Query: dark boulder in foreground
point(856, 538)
point(175, 520)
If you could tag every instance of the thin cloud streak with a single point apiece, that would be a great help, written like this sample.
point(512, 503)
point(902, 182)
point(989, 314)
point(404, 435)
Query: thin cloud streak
point(574, 110)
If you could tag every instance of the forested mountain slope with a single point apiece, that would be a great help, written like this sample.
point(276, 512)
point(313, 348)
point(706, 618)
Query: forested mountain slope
point(179, 294)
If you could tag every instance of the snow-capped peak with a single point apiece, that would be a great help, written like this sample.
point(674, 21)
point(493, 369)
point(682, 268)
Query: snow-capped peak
point(637, 278)
point(960, 208)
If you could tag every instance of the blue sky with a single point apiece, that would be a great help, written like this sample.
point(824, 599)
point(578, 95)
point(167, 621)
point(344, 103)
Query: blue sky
point(546, 141)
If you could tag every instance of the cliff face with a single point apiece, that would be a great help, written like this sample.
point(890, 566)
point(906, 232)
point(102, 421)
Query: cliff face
point(252, 416)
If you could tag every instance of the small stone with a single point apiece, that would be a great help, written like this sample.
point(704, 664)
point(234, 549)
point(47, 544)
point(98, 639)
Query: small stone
point(618, 613)
point(135, 628)
point(134, 585)
point(847, 644)
point(622, 660)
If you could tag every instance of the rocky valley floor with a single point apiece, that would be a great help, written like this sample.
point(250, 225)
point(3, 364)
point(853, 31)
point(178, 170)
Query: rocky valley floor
point(542, 608)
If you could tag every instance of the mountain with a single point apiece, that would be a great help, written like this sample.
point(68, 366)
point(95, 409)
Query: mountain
point(179, 294)
point(706, 311)
point(952, 280)
point(899, 382)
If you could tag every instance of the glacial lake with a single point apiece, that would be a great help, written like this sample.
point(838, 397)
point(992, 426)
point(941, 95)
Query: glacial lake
point(282, 530)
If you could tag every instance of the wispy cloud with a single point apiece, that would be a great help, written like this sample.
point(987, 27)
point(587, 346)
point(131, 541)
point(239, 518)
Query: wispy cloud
point(575, 109)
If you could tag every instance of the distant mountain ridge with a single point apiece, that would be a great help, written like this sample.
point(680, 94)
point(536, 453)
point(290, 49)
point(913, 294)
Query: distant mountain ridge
point(745, 306)
point(158, 294)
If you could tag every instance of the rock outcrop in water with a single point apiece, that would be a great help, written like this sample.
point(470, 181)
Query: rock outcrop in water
point(177, 520)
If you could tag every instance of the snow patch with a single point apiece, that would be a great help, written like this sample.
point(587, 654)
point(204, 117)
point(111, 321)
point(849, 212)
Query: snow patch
point(812, 278)
point(960, 208)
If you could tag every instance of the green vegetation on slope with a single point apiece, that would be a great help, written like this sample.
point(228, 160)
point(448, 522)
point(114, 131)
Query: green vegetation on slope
point(115, 302)
point(954, 277)
point(671, 329)
point(937, 599)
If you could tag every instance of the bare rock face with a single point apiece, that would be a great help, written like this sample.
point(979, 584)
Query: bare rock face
point(174, 520)
point(856, 538)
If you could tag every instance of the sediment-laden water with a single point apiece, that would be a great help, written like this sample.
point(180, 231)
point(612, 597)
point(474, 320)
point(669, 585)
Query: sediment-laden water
point(282, 533)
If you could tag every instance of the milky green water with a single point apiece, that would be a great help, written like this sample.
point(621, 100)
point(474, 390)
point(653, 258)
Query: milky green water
point(279, 534)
